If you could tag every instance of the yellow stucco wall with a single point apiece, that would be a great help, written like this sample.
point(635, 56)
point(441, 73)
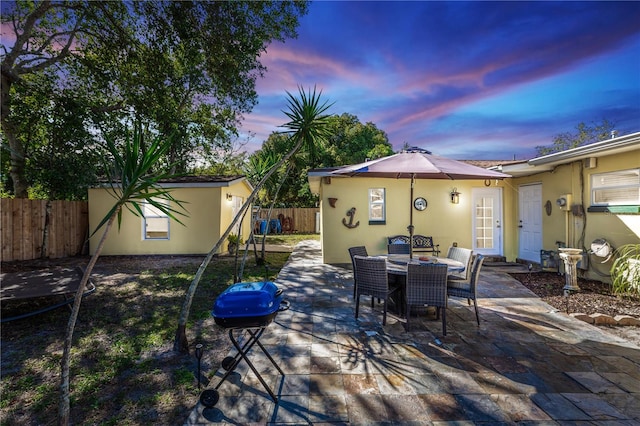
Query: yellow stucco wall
point(617, 229)
point(444, 221)
point(208, 215)
point(449, 223)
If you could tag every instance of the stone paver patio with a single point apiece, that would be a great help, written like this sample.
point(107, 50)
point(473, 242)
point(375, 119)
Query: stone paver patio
point(525, 364)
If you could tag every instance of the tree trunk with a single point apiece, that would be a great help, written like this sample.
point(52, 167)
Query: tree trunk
point(16, 149)
point(63, 404)
point(45, 232)
point(181, 343)
point(273, 202)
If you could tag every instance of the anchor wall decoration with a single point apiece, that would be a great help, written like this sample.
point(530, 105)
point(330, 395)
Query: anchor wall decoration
point(351, 213)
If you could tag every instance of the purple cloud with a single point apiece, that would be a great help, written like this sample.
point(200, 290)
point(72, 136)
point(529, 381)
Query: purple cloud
point(412, 68)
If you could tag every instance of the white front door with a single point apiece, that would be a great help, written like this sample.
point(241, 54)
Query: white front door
point(236, 206)
point(487, 221)
point(530, 222)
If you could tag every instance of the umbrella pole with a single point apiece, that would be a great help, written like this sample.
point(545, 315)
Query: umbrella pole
point(410, 227)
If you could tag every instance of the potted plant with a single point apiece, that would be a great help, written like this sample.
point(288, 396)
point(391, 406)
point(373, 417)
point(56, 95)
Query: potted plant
point(233, 241)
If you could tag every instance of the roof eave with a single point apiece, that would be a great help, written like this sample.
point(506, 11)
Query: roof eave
point(606, 147)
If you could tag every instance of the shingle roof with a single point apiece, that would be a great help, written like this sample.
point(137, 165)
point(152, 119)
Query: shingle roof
point(203, 179)
point(485, 164)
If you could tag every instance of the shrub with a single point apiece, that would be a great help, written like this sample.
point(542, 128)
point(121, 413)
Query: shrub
point(625, 271)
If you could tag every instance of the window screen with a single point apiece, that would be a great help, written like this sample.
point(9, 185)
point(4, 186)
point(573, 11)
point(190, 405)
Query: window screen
point(155, 224)
point(616, 188)
point(377, 205)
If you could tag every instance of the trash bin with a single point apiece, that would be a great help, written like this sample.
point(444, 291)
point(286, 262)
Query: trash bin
point(275, 226)
point(263, 226)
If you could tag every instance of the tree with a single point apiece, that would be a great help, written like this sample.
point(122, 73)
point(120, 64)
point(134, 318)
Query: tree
point(133, 183)
point(584, 135)
point(353, 142)
point(47, 34)
point(188, 68)
point(307, 127)
point(349, 142)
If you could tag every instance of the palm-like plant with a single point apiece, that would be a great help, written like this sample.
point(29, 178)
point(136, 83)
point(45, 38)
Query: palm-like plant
point(625, 271)
point(307, 127)
point(132, 182)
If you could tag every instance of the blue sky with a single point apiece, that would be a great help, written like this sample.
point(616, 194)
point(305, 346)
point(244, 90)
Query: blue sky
point(484, 80)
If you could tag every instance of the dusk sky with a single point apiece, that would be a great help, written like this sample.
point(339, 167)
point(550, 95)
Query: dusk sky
point(483, 80)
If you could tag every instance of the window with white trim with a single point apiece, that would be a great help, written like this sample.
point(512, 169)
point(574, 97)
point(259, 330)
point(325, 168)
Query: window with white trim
point(617, 188)
point(377, 206)
point(155, 223)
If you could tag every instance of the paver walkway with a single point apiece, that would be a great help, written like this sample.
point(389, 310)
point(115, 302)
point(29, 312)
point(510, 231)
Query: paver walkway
point(525, 364)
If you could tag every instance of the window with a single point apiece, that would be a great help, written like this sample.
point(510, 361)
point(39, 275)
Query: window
point(155, 224)
point(376, 206)
point(616, 188)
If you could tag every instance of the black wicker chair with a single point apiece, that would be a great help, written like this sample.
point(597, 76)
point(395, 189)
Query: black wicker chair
point(427, 286)
point(467, 288)
point(372, 279)
point(356, 251)
point(398, 248)
point(463, 255)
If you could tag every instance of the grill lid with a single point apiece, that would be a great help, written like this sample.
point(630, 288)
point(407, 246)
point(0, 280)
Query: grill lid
point(248, 299)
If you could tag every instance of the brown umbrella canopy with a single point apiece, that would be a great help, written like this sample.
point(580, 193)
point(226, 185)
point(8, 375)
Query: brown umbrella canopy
point(417, 163)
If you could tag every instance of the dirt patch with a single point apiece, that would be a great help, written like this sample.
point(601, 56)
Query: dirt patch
point(594, 297)
point(124, 369)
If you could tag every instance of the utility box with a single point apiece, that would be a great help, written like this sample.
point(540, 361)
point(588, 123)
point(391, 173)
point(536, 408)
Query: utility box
point(564, 202)
point(549, 260)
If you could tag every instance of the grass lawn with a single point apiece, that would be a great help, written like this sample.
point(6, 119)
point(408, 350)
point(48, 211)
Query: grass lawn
point(123, 368)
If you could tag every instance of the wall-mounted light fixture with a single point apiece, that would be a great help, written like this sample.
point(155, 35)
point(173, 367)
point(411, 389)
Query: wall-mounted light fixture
point(455, 196)
point(229, 197)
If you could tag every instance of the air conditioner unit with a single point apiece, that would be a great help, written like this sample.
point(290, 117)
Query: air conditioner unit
point(564, 202)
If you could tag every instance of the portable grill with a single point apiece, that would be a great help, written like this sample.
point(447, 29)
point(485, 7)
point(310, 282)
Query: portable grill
point(247, 307)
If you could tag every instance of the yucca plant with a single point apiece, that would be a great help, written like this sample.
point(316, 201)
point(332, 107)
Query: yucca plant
point(625, 271)
point(133, 182)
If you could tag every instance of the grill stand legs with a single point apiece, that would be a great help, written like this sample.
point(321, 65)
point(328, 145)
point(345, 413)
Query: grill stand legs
point(231, 363)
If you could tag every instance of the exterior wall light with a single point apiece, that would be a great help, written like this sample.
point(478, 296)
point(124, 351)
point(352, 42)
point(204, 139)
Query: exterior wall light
point(455, 196)
point(229, 197)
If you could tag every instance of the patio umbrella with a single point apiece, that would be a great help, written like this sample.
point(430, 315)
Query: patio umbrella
point(416, 163)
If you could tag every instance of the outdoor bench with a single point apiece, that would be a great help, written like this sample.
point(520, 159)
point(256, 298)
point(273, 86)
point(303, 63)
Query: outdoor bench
point(421, 243)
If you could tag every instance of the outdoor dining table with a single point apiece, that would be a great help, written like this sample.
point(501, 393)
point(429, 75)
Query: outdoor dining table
point(397, 269)
point(397, 263)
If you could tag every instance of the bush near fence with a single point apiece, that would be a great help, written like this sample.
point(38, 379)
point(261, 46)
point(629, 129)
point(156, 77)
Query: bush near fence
point(23, 228)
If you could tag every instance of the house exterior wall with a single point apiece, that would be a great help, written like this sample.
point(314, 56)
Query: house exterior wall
point(553, 226)
point(444, 221)
point(617, 229)
point(208, 213)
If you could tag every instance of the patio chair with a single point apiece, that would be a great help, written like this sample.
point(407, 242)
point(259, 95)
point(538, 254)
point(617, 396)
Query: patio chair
point(373, 281)
point(398, 248)
point(467, 288)
point(464, 256)
point(427, 286)
point(356, 251)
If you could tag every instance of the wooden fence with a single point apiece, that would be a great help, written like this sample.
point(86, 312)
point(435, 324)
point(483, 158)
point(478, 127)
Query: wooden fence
point(23, 228)
point(303, 220)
